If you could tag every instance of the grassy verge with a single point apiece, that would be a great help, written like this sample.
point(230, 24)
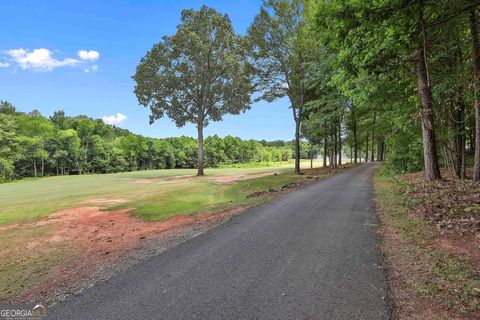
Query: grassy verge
point(204, 196)
point(28, 200)
point(23, 263)
point(424, 279)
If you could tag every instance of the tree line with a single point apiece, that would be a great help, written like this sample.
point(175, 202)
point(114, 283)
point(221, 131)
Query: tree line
point(32, 145)
point(398, 77)
point(396, 80)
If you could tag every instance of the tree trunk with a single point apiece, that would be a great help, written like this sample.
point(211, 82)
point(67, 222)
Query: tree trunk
point(431, 167)
point(458, 115)
point(78, 165)
point(325, 151)
point(86, 156)
point(311, 158)
point(340, 143)
point(334, 151)
point(86, 153)
point(200, 150)
point(378, 150)
point(476, 88)
point(355, 140)
point(331, 161)
point(457, 142)
point(381, 149)
point(471, 135)
point(35, 162)
point(297, 145)
point(372, 152)
point(43, 164)
point(366, 149)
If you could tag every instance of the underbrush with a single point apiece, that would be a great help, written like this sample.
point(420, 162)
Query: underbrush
point(422, 275)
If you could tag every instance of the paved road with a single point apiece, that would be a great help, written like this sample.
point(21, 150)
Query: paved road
point(310, 254)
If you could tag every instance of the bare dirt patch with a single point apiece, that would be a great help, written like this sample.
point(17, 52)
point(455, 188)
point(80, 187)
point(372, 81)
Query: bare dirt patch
point(104, 241)
point(169, 180)
point(216, 179)
point(106, 200)
point(240, 177)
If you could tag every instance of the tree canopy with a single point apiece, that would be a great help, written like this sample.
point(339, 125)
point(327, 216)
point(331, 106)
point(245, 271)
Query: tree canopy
point(33, 145)
point(279, 47)
point(197, 75)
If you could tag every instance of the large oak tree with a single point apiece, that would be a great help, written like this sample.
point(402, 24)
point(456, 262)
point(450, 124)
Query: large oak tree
point(197, 75)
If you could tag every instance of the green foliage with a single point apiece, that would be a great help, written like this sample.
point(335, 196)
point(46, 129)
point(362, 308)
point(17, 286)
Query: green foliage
point(197, 75)
point(405, 155)
point(7, 108)
point(32, 145)
point(7, 170)
point(9, 146)
point(280, 48)
point(368, 54)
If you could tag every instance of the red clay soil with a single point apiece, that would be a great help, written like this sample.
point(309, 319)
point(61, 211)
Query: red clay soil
point(452, 207)
point(101, 239)
point(105, 241)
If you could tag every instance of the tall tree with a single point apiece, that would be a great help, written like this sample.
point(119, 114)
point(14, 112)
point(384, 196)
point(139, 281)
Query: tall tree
point(7, 108)
point(474, 31)
point(8, 146)
point(36, 130)
point(390, 34)
point(313, 133)
point(197, 75)
point(280, 48)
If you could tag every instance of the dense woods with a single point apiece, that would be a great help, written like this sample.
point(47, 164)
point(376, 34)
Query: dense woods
point(389, 80)
point(399, 80)
point(33, 146)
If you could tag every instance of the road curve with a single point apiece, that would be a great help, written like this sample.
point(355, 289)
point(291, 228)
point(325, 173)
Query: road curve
point(309, 254)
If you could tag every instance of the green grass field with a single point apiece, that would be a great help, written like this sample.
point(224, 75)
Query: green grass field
point(27, 256)
point(167, 195)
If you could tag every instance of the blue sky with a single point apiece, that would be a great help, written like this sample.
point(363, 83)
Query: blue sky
point(41, 65)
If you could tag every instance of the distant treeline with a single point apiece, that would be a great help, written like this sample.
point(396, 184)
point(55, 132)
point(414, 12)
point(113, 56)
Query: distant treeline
point(32, 145)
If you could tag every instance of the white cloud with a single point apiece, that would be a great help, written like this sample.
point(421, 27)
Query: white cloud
point(88, 55)
point(38, 59)
point(92, 68)
point(117, 119)
point(43, 59)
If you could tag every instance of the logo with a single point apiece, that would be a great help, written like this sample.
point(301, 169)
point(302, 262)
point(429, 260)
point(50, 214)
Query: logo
point(23, 312)
point(39, 311)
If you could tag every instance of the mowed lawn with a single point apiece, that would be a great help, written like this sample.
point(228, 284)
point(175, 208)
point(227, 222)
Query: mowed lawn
point(35, 257)
point(155, 194)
